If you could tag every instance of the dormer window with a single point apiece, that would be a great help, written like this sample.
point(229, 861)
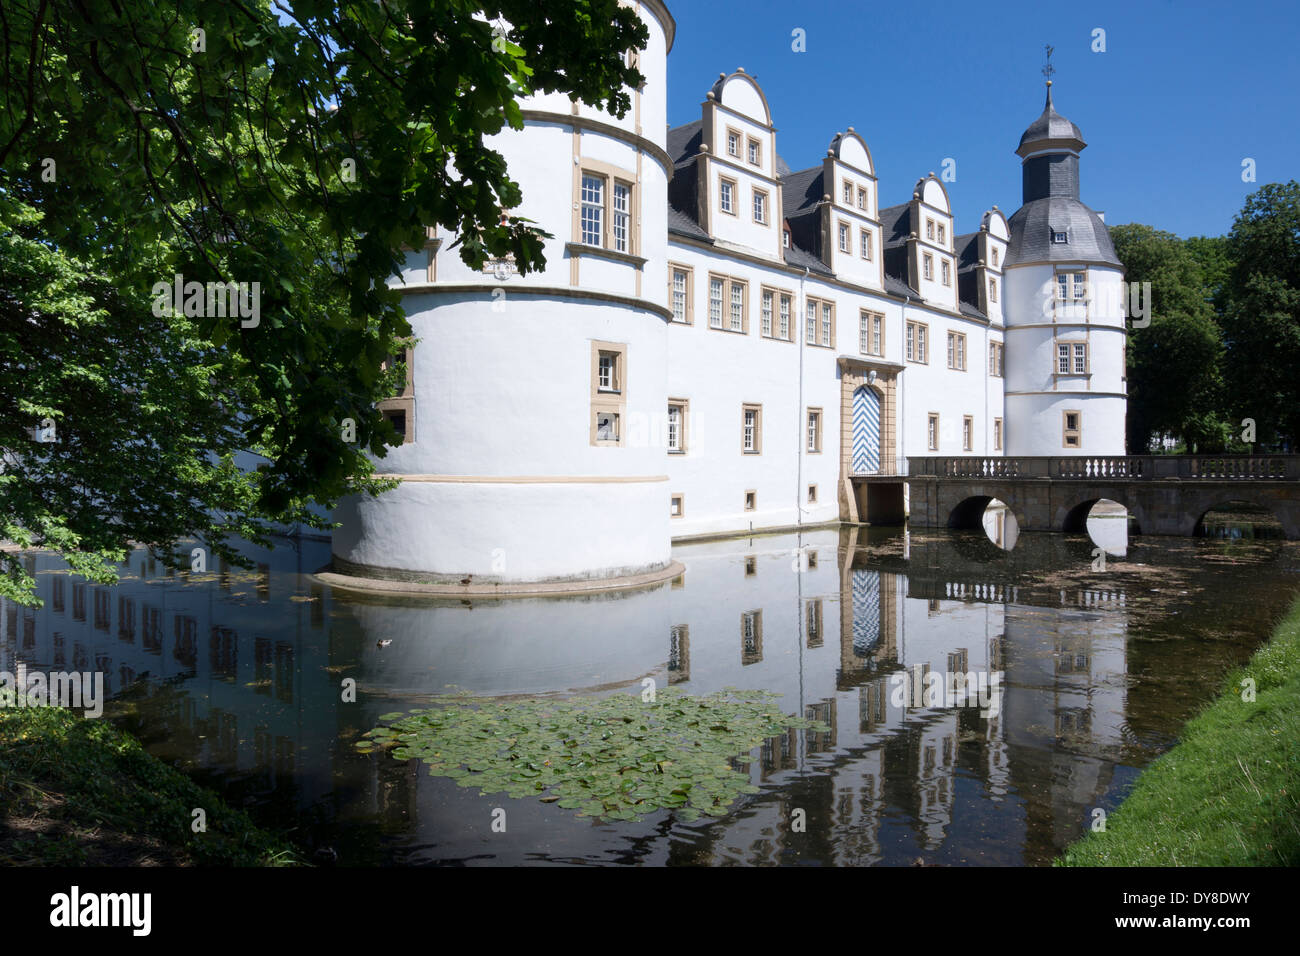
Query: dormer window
point(733, 143)
point(785, 238)
point(929, 229)
point(995, 258)
point(940, 233)
point(848, 193)
point(1060, 237)
point(754, 154)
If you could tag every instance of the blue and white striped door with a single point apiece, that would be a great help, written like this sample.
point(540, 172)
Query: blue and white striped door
point(866, 611)
point(866, 431)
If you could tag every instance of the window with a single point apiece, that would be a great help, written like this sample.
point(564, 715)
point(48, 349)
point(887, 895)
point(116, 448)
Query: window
point(607, 379)
point(751, 637)
point(751, 436)
point(716, 285)
point(995, 359)
point(946, 271)
point(871, 334)
point(727, 197)
point(677, 426)
point(1059, 237)
point(755, 152)
point(844, 238)
point(677, 505)
point(399, 410)
point(1072, 429)
point(1080, 286)
point(751, 500)
point(916, 346)
point(993, 290)
point(932, 431)
point(731, 295)
point(681, 282)
point(737, 310)
point(1062, 287)
point(826, 311)
point(997, 434)
point(927, 266)
point(760, 206)
point(812, 494)
point(967, 433)
point(607, 427)
point(848, 193)
point(622, 206)
point(605, 216)
point(733, 143)
point(1072, 358)
point(941, 233)
point(929, 229)
point(864, 238)
point(785, 238)
point(814, 431)
point(593, 209)
point(862, 198)
point(608, 392)
point(957, 351)
point(775, 314)
point(995, 257)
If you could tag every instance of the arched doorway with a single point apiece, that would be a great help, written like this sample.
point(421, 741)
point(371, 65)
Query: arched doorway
point(866, 431)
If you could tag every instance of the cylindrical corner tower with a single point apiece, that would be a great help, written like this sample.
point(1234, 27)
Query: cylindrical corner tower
point(1065, 333)
point(536, 406)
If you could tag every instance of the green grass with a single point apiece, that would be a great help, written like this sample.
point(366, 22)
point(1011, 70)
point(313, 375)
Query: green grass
point(79, 792)
point(1229, 793)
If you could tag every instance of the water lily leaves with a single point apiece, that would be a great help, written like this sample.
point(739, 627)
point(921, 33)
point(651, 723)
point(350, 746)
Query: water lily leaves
point(612, 758)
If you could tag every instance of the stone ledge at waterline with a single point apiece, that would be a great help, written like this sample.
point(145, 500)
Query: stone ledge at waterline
point(76, 791)
point(1229, 793)
point(354, 577)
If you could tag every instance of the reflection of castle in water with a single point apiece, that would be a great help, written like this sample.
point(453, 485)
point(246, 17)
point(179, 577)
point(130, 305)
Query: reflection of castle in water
point(245, 672)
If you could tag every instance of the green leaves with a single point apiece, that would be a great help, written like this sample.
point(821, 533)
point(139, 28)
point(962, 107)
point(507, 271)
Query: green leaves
point(613, 758)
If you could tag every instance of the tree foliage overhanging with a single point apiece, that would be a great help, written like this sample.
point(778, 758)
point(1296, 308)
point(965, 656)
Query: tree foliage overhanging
point(1223, 345)
point(297, 144)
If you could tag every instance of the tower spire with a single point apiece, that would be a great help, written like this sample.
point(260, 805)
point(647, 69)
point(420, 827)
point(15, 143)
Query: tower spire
point(1047, 71)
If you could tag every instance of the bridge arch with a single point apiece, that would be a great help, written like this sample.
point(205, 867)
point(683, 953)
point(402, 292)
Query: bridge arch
point(968, 513)
point(1213, 503)
point(1073, 518)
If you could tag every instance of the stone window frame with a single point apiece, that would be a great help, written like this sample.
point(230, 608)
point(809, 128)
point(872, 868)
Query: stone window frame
point(997, 434)
point(815, 430)
point(765, 196)
point(404, 401)
point(927, 267)
point(611, 400)
point(683, 426)
point(689, 271)
point(864, 237)
point(922, 340)
point(1067, 432)
point(612, 176)
point(754, 151)
point(932, 434)
point(677, 505)
point(954, 353)
point(812, 494)
point(735, 189)
point(757, 408)
point(751, 499)
point(968, 433)
point(740, 141)
point(871, 319)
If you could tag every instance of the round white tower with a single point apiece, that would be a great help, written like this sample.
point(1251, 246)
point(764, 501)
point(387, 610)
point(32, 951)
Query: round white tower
point(536, 406)
point(1065, 333)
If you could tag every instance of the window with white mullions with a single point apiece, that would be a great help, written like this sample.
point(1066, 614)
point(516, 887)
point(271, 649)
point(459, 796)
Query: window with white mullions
point(593, 209)
point(622, 209)
point(766, 318)
point(715, 302)
point(737, 307)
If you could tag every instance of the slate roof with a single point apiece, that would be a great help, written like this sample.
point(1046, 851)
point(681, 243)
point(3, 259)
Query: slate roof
point(1033, 224)
point(1050, 125)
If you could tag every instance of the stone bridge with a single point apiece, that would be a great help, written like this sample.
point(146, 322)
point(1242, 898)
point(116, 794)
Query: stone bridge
point(1165, 494)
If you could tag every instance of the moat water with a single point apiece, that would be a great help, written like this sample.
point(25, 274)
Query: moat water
point(1102, 650)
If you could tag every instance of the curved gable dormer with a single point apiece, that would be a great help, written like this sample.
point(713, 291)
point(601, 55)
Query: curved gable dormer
point(741, 93)
point(851, 150)
point(995, 224)
point(933, 193)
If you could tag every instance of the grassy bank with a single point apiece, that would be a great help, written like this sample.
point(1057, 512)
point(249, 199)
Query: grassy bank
point(1229, 793)
point(79, 792)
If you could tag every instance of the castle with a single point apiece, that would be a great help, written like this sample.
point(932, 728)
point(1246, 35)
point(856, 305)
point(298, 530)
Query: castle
point(720, 344)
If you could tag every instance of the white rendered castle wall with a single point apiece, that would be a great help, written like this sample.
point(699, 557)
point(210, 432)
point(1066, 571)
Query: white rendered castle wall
point(1039, 395)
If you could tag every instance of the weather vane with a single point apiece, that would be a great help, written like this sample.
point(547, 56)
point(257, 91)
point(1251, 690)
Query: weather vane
point(1048, 69)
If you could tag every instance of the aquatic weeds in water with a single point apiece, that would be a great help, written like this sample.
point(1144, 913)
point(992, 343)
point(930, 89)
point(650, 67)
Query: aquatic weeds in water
point(612, 757)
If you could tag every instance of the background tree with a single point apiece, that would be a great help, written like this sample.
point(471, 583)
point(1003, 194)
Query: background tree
point(1259, 302)
point(298, 146)
point(1175, 380)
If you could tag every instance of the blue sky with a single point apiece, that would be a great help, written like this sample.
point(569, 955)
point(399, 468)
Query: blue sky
point(1183, 93)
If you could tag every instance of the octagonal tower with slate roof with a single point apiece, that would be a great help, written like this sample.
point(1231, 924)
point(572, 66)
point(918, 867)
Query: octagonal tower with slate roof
point(1065, 333)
